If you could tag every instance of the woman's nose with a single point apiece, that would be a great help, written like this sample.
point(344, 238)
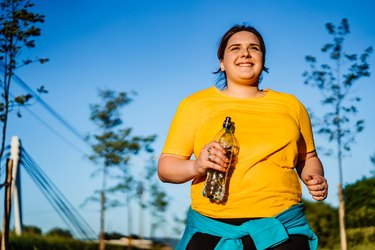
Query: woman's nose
point(246, 53)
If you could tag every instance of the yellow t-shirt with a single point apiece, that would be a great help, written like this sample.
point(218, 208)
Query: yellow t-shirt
point(271, 131)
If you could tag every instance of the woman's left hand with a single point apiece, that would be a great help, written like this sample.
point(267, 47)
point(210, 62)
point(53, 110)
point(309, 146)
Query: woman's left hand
point(317, 186)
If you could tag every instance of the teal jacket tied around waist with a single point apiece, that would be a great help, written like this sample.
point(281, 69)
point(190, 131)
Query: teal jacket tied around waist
point(265, 232)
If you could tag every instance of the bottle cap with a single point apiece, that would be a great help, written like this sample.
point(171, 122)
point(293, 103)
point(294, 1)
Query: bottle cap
point(227, 123)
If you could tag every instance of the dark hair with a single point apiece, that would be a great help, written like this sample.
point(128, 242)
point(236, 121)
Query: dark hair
point(221, 80)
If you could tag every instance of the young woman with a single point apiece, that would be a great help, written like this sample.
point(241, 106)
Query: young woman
point(263, 209)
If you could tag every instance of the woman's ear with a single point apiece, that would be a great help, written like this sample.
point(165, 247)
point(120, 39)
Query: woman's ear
point(222, 68)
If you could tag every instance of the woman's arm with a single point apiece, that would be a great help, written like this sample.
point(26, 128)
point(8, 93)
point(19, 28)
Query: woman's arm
point(180, 169)
point(175, 169)
point(311, 172)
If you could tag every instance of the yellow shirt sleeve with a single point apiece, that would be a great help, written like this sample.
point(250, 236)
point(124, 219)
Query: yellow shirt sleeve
point(181, 135)
point(306, 143)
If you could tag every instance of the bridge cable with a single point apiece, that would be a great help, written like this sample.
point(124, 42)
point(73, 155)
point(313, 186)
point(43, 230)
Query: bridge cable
point(58, 201)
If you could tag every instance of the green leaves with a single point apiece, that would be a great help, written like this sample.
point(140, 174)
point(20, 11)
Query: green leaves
point(327, 47)
point(310, 59)
point(342, 29)
point(158, 199)
point(106, 115)
point(23, 99)
point(360, 203)
point(18, 29)
point(335, 80)
point(17, 26)
point(325, 225)
point(114, 145)
point(42, 90)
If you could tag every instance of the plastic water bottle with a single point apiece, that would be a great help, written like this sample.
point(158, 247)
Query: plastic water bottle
point(216, 181)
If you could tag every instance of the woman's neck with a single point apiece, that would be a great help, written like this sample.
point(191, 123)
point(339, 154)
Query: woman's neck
point(243, 91)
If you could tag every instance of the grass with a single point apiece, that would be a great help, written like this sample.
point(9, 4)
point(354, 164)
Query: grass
point(357, 247)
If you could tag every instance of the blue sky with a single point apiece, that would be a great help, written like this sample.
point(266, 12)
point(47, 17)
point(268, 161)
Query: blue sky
point(166, 50)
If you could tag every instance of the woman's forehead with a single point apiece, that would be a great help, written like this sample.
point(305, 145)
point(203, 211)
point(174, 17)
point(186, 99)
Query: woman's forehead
point(243, 37)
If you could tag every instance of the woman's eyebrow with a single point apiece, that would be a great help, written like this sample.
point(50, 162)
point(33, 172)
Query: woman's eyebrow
point(234, 45)
point(255, 44)
point(238, 44)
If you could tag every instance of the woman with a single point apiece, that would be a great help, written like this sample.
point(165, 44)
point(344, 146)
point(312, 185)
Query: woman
point(263, 209)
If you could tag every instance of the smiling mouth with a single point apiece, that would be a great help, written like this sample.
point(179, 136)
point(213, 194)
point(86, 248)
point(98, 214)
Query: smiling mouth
point(245, 64)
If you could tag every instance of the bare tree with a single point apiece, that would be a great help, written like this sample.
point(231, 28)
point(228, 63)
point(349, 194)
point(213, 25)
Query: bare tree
point(335, 80)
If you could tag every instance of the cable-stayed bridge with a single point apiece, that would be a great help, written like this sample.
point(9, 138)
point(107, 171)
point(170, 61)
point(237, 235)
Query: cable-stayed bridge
point(23, 160)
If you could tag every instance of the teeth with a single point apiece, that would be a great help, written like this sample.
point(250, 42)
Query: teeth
point(245, 64)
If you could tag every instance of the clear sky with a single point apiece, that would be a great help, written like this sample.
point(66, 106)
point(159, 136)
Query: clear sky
point(166, 50)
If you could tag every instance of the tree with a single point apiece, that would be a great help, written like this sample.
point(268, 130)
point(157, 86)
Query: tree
point(113, 146)
point(180, 223)
point(360, 203)
point(32, 230)
point(158, 200)
point(335, 81)
point(126, 186)
point(59, 232)
point(17, 32)
point(139, 188)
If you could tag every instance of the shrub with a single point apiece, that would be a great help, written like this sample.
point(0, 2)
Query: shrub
point(33, 242)
point(361, 236)
point(323, 220)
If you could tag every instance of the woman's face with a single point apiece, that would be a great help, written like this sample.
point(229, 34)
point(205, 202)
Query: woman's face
point(243, 59)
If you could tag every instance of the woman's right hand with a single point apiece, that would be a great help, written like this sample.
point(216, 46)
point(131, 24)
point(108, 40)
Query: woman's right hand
point(180, 169)
point(212, 156)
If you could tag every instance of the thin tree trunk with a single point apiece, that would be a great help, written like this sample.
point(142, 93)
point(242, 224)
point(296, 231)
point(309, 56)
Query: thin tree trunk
point(102, 233)
point(130, 222)
point(140, 233)
point(7, 77)
point(342, 218)
point(340, 191)
point(102, 212)
point(7, 206)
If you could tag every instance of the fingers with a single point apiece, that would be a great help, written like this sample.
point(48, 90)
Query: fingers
point(213, 156)
point(320, 194)
point(217, 155)
point(317, 186)
point(320, 197)
point(309, 177)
